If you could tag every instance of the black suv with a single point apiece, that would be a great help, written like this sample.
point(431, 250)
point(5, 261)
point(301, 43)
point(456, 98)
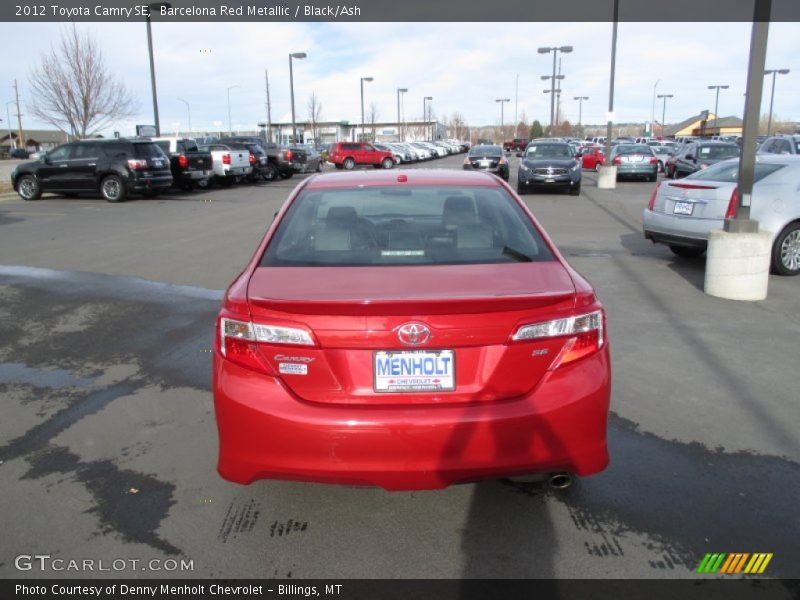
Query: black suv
point(114, 168)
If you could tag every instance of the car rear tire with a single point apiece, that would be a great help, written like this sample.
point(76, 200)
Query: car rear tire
point(287, 174)
point(675, 173)
point(660, 167)
point(203, 183)
point(113, 189)
point(319, 167)
point(597, 167)
point(387, 163)
point(348, 164)
point(786, 251)
point(576, 191)
point(28, 188)
point(270, 172)
point(686, 251)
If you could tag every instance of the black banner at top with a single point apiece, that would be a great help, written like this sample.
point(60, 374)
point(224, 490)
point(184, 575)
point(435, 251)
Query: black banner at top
point(531, 11)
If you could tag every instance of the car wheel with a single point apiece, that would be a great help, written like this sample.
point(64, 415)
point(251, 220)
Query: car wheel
point(28, 188)
point(319, 167)
point(186, 186)
point(112, 189)
point(521, 190)
point(786, 251)
point(270, 172)
point(597, 167)
point(348, 164)
point(660, 167)
point(387, 163)
point(287, 174)
point(686, 251)
point(576, 191)
point(675, 173)
point(203, 183)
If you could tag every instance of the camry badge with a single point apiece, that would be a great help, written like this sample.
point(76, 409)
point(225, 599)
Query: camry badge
point(413, 334)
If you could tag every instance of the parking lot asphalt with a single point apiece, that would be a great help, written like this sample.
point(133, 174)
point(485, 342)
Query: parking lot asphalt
point(107, 432)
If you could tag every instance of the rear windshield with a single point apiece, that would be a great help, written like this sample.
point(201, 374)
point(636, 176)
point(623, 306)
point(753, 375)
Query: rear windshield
point(729, 171)
point(717, 152)
point(633, 149)
point(486, 151)
point(548, 150)
point(417, 225)
point(148, 150)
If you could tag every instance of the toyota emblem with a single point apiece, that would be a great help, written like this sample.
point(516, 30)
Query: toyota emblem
point(413, 334)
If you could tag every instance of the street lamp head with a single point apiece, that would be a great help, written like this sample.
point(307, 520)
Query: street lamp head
point(546, 77)
point(566, 49)
point(560, 76)
point(544, 50)
point(783, 71)
point(402, 90)
point(428, 97)
point(298, 55)
point(366, 79)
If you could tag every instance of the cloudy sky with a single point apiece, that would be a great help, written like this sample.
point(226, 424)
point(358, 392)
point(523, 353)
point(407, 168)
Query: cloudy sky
point(464, 66)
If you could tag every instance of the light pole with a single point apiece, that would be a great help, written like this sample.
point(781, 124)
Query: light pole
point(653, 114)
point(399, 123)
point(664, 110)
point(363, 79)
point(716, 103)
point(154, 6)
point(424, 112)
point(292, 55)
point(773, 72)
point(502, 102)
point(189, 113)
point(555, 50)
point(580, 100)
point(230, 127)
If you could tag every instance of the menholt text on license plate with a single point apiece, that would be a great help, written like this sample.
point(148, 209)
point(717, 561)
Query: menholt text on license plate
point(414, 370)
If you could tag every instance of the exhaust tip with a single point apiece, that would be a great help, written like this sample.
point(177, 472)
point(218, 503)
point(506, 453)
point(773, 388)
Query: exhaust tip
point(559, 481)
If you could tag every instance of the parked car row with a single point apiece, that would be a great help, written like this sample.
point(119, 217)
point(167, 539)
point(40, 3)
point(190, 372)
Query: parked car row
point(348, 155)
point(150, 166)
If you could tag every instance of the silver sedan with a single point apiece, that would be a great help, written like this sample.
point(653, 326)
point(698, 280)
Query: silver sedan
point(681, 213)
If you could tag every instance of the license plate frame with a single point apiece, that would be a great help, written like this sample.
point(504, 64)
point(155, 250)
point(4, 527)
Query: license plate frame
point(391, 383)
point(683, 208)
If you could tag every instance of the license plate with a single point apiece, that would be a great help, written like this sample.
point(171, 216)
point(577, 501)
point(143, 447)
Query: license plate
point(683, 208)
point(414, 371)
point(486, 163)
point(637, 158)
point(549, 180)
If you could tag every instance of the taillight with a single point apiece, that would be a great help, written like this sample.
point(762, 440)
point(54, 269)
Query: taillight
point(226, 159)
point(652, 204)
point(617, 161)
point(289, 155)
point(252, 158)
point(733, 204)
point(585, 335)
point(239, 341)
point(183, 162)
point(654, 161)
point(137, 163)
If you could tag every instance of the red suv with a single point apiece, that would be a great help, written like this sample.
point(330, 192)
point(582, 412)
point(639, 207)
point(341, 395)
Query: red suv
point(346, 155)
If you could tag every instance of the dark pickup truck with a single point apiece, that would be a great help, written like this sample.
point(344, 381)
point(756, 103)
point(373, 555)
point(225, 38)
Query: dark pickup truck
point(515, 145)
point(190, 166)
point(279, 160)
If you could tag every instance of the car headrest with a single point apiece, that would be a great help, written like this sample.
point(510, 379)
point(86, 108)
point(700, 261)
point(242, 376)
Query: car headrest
point(341, 216)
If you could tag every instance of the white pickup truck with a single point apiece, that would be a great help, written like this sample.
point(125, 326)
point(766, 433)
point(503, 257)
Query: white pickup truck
point(229, 165)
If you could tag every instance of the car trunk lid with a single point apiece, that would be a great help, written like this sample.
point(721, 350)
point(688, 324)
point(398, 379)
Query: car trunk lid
point(701, 200)
point(469, 311)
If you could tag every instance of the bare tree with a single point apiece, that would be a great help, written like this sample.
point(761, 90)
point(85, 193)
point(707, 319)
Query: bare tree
point(458, 126)
point(73, 90)
point(372, 118)
point(314, 114)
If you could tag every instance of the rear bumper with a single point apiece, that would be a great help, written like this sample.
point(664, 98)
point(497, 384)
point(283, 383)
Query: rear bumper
point(663, 228)
point(266, 432)
point(624, 170)
point(147, 184)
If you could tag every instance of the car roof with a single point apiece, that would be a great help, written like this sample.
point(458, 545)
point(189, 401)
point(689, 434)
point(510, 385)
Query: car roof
point(415, 177)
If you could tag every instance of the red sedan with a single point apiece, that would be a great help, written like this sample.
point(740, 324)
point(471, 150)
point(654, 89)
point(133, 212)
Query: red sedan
point(409, 330)
point(593, 157)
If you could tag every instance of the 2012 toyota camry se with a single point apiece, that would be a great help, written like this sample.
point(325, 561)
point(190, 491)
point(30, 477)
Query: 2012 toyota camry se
point(409, 330)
